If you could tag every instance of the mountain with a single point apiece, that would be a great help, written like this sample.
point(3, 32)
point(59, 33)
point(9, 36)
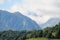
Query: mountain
point(51, 22)
point(16, 21)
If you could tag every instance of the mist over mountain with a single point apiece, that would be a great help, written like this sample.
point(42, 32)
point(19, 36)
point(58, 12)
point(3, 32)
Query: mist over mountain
point(51, 22)
point(16, 21)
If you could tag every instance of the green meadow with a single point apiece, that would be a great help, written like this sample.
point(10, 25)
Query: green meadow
point(38, 39)
point(42, 39)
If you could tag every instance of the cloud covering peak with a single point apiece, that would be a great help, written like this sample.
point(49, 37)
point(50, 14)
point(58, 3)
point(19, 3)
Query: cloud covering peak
point(38, 10)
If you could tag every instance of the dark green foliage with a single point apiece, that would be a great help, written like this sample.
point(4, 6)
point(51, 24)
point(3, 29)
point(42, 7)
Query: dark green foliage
point(49, 32)
point(35, 34)
point(58, 34)
point(11, 35)
point(45, 33)
point(49, 35)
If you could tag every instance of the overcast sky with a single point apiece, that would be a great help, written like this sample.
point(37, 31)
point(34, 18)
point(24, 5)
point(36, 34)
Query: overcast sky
point(38, 10)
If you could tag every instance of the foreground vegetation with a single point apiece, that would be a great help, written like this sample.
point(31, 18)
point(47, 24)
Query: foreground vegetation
point(38, 39)
point(42, 39)
point(45, 34)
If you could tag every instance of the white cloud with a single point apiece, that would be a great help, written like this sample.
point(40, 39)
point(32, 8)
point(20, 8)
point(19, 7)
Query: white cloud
point(14, 8)
point(40, 20)
point(37, 4)
point(44, 8)
point(1, 1)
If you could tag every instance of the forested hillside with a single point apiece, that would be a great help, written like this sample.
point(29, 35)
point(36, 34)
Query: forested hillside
point(49, 32)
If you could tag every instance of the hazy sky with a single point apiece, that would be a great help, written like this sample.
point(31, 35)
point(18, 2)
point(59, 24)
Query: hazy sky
point(38, 10)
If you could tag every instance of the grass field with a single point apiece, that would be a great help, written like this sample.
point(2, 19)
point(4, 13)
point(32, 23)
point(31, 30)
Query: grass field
point(42, 39)
point(38, 39)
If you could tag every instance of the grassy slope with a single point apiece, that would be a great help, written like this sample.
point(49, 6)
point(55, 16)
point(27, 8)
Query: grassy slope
point(41, 39)
point(38, 39)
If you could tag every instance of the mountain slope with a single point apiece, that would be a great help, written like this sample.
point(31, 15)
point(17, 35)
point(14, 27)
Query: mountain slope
point(51, 22)
point(16, 21)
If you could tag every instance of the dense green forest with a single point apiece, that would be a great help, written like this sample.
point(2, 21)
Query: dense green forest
point(49, 32)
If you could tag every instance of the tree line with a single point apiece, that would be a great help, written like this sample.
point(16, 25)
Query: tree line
point(49, 32)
